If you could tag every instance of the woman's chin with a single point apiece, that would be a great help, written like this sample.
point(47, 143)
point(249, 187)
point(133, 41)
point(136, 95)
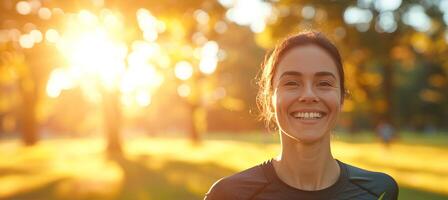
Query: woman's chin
point(305, 137)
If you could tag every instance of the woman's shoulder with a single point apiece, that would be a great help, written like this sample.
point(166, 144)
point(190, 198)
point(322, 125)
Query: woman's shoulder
point(378, 183)
point(240, 185)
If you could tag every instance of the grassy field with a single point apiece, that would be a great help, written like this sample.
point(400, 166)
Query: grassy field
point(170, 168)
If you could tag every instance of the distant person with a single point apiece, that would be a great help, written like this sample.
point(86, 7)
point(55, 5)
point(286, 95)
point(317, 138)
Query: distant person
point(386, 132)
point(301, 93)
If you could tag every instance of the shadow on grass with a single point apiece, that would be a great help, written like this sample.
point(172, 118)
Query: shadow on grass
point(173, 180)
point(7, 171)
point(43, 192)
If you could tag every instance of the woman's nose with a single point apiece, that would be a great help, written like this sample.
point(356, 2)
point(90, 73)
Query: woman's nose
point(308, 95)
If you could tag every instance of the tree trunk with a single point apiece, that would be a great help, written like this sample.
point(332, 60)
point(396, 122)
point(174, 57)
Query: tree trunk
point(28, 112)
point(193, 131)
point(29, 122)
point(112, 121)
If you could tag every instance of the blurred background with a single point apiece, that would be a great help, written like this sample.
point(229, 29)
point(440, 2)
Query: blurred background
point(110, 99)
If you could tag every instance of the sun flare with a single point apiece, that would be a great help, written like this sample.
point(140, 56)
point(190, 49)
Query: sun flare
point(96, 53)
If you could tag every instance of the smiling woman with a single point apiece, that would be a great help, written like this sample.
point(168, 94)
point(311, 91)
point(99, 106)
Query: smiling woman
point(301, 94)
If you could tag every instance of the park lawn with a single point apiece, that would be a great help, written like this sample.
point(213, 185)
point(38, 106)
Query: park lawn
point(173, 168)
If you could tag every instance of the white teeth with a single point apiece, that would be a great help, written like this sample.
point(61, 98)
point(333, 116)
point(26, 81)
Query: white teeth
point(308, 115)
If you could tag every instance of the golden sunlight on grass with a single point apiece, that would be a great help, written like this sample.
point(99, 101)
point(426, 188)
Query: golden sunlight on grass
point(78, 168)
point(159, 168)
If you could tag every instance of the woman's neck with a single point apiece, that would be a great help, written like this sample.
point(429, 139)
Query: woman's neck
point(306, 166)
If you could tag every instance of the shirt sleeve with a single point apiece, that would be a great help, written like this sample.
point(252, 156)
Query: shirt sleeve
point(219, 191)
point(391, 190)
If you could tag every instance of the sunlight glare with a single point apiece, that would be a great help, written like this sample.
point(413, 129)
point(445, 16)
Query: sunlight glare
point(146, 20)
point(143, 76)
point(209, 57)
point(150, 36)
point(97, 57)
point(146, 49)
point(87, 18)
point(183, 70)
point(143, 99)
point(90, 93)
point(96, 53)
point(110, 20)
point(148, 24)
point(59, 80)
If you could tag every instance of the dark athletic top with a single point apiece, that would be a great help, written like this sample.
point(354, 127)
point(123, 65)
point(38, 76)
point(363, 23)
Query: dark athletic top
point(262, 183)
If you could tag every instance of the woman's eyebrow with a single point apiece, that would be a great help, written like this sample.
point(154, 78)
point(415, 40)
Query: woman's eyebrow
point(290, 73)
point(295, 73)
point(319, 74)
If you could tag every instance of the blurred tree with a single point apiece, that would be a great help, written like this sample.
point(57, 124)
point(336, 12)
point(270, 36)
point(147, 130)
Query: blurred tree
point(21, 75)
point(188, 26)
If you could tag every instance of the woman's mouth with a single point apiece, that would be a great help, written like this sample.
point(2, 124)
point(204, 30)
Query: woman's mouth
point(308, 115)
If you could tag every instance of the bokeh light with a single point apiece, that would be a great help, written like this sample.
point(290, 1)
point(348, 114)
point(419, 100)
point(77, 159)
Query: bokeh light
point(183, 70)
point(308, 12)
point(355, 15)
point(201, 17)
point(37, 35)
point(44, 13)
point(238, 12)
point(26, 41)
point(183, 90)
point(416, 17)
point(23, 7)
point(52, 35)
point(387, 5)
point(209, 57)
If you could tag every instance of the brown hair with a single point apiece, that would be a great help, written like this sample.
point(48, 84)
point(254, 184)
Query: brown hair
point(269, 66)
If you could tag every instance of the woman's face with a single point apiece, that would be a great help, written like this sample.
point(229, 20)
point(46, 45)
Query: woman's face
point(307, 97)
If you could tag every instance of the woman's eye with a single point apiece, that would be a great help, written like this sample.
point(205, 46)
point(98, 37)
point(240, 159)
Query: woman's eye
point(289, 83)
point(325, 83)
